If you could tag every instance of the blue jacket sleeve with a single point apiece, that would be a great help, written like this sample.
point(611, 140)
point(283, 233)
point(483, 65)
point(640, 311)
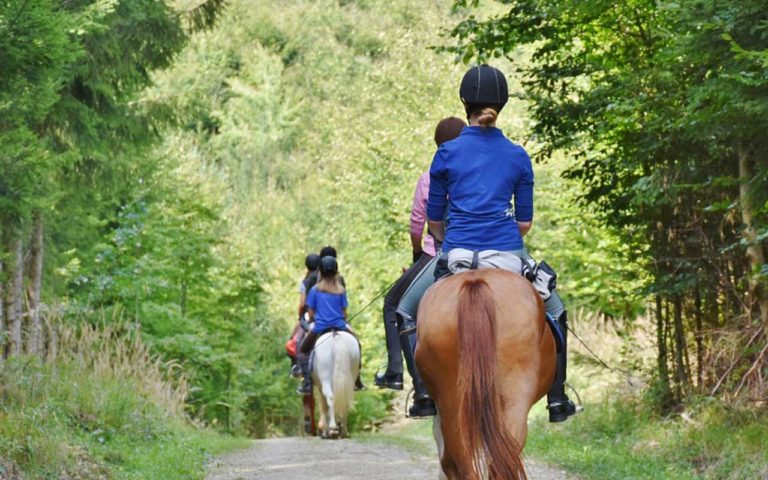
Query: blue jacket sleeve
point(524, 190)
point(438, 188)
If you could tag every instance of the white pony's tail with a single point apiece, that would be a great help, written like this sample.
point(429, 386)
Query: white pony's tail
point(345, 371)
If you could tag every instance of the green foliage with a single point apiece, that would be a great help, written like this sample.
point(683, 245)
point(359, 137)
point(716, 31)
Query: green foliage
point(304, 129)
point(659, 107)
point(82, 421)
point(625, 439)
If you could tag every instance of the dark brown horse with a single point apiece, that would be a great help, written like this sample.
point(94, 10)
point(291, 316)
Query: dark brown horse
point(310, 426)
point(487, 355)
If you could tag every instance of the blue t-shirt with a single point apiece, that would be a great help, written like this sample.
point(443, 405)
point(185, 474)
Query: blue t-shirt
point(329, 309)
point(476, 177)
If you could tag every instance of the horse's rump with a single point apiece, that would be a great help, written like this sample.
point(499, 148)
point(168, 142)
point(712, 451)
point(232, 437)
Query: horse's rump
point(336, 366)
point(486, 356)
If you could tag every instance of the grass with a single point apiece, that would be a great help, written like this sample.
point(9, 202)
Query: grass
point(620, 435)
point(102, 408)
point(626, 440)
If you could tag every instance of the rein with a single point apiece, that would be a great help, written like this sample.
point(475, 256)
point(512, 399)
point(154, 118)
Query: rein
point(622, 373)
point(378, 295)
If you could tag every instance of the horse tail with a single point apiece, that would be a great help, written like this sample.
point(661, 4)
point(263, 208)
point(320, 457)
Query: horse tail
point(343, 381)
point(496, 454)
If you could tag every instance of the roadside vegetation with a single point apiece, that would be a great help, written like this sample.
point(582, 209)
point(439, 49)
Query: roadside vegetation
point(101, 407)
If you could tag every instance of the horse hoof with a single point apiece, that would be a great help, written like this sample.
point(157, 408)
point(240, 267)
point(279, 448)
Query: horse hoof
point(334, 434)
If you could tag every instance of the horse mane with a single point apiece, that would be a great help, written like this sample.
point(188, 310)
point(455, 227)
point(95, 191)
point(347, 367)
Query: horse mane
point(496, 454)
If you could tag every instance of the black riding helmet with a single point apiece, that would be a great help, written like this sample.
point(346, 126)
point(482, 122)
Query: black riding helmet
point(328, 251)
point(312, 262)
point(328, 265)
point(484, 86)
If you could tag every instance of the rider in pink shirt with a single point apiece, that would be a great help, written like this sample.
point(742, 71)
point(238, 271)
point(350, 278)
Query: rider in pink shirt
point(419, 219)
point(423, 406)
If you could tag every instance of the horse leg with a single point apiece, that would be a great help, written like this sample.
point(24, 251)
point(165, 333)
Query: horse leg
point(309, 415)
point(450, 448)
point(323, 424)
point(437, 432)
point(331, 428)
point(313, 423)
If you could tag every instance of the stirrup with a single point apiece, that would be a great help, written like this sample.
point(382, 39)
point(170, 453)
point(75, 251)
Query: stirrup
point(407, 326)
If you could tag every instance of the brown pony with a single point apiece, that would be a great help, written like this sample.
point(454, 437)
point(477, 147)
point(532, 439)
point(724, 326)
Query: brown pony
point(487, 355)
point(310, 426)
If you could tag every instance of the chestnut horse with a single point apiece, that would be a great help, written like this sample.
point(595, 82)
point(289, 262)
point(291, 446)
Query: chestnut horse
point(487, 355)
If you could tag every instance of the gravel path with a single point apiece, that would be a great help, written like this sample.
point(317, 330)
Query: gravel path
point(297, 458)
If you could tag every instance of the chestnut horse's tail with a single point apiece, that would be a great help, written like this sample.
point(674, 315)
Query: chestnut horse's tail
point(497, 455)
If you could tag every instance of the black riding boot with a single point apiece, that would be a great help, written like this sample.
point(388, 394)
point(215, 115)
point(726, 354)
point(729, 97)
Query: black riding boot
point(393, 375)
point(306, 383)
point(423, 405)
point(559, 405)
point(359, 383)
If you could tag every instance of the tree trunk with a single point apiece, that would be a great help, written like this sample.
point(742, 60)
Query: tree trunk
point(662, 370)
point(2, 303)
point(680, 373)
point(699, 338)
point(14, 294)
point(757, 295)
point(36, 276)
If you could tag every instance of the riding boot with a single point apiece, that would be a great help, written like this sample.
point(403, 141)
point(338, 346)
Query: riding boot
point(559, 405)
point(307, 344)
point(423, 405)
point(392, 377)
point(306, 383)
point(359, 383)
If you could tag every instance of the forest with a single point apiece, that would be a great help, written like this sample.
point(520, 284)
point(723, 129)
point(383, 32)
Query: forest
point(166, 165)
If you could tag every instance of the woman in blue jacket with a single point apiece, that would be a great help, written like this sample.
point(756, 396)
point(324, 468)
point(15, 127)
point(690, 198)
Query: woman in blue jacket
point(481, 200)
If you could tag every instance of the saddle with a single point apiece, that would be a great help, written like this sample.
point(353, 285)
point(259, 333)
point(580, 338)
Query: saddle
point(541, 275)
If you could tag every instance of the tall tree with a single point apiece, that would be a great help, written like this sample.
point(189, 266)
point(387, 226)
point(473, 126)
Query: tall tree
point(662, 108)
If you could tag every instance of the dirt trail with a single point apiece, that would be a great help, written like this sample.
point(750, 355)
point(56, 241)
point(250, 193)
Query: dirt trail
point(297, 458)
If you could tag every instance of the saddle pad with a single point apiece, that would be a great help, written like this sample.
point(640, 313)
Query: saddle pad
point(461, 259)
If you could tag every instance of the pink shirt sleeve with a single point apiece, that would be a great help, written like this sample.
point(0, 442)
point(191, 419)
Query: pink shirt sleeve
point(419, 213)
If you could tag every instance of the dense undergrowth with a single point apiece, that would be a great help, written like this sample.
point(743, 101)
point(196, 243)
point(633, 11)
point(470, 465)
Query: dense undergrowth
point(103, 408)
point(621, 434)
point(625, 439)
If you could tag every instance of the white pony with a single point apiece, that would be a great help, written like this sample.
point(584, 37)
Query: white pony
point(336, 366)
